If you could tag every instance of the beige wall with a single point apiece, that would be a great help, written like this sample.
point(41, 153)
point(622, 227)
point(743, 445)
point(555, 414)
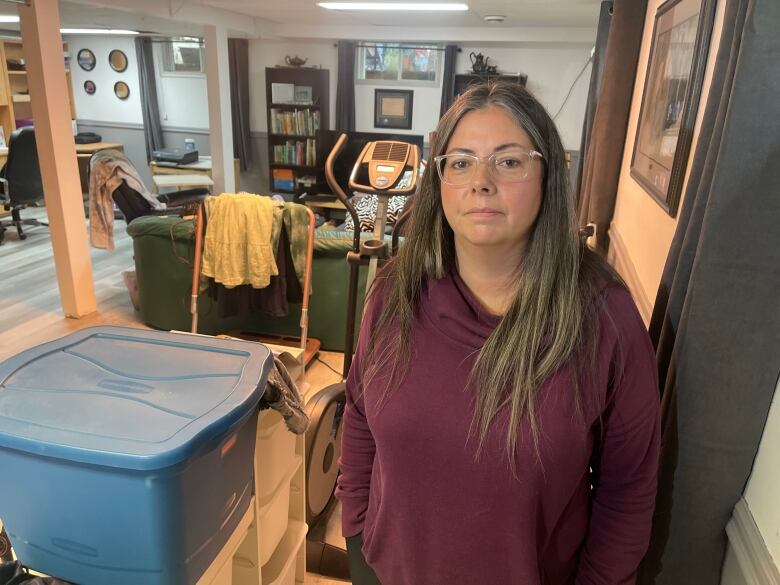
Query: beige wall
point(641, 231)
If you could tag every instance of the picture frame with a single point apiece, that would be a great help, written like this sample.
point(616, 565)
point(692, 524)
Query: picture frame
point(86, 59)
point(393, 108)
point(117, 60)
point(121, 90)
point(303, 94)
point(670, 98)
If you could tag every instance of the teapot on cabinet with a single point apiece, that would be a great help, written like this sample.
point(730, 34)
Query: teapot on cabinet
point(295, 61)
point(478, 62)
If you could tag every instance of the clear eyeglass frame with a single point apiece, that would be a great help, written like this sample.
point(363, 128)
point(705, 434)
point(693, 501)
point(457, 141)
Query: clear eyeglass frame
point(492, 163)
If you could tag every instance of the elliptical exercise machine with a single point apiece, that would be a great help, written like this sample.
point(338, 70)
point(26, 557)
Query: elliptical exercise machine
point(384, 168)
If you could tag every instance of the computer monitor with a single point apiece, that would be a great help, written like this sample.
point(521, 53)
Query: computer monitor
point(342, 167)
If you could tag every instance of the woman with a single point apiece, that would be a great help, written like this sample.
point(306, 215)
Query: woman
point(502, 409)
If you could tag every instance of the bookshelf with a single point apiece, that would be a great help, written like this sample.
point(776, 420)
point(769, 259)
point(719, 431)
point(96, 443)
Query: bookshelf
point(15, 92)
point(297, 99)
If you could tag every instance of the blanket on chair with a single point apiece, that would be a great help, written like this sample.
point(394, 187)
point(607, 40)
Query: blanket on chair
point(108, 168)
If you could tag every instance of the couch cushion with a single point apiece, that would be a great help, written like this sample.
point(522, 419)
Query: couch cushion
point(171, 226)
point(165, 226)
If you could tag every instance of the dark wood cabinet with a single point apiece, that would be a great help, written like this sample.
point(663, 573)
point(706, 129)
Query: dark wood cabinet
point(463, 80)
point(297, 101)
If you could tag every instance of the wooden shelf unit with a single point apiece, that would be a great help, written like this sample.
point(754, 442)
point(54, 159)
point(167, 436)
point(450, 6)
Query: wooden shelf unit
point(281, 173)
point(14, 89)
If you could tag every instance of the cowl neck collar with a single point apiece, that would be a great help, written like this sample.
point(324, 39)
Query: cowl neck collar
point(455, 311)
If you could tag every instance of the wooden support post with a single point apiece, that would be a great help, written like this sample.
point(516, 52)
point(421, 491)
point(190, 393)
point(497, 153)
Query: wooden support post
point(49, 95)
point(220, 120)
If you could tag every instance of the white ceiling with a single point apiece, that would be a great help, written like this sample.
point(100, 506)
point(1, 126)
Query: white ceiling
point(76, 15)
point(519, 13)
point(281, 19)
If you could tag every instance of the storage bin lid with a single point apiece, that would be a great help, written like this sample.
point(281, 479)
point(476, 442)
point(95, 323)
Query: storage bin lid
point(129, 398)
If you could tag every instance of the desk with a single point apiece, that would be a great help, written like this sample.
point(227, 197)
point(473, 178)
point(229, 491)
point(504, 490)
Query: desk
point(180, 181)
point(84, 152)
point(337, 204)
point(328, 209)
point(87, 150)
point(203, 166)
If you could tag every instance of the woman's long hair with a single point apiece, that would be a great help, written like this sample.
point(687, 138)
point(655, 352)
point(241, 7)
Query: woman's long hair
point(552, 321)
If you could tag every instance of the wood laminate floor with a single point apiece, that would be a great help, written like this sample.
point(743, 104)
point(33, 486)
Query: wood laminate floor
point(31, 313)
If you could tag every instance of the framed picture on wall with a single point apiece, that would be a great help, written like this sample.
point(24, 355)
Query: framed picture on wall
point(393, 108)
point(86, 59)
point(670, 100)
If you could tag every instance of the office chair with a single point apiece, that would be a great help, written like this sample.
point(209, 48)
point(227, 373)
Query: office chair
point(21, 179)
point(133, 204)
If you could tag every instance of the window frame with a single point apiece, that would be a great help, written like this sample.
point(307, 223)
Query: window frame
point(166, 52)
point(360, 50)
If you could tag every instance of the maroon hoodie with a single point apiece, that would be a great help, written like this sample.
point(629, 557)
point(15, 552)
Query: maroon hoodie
point(432, 515)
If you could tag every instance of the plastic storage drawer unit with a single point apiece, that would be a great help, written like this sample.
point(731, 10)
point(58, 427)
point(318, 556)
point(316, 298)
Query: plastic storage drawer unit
point(127, 454)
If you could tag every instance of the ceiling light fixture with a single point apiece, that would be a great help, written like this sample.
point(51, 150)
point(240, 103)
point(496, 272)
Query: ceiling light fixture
point(494, 18)
point(400, 6)
point(97, 31)
point(8, 18)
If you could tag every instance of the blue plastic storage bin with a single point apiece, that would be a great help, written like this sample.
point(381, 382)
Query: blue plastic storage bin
point(126, 454)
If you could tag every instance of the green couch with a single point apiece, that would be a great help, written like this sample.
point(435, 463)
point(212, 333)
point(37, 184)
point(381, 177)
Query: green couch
point(163, 248)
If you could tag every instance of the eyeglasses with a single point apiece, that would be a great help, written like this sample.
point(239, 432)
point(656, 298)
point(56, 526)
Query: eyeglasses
point(507, 166)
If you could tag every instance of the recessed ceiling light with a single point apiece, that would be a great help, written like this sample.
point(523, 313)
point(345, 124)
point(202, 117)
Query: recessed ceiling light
point(8, 18)
point(392, 6)
point(97, 31)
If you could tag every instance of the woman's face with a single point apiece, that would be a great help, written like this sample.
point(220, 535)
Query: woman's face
point(489, 213)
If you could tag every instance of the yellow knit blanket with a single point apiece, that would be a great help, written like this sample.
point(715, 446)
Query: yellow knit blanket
point(241, 236)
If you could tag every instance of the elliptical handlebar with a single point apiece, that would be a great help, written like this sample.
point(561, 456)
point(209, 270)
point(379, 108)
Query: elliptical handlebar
point(336, 188)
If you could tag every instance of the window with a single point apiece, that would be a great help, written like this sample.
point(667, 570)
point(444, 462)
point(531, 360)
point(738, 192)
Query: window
point(397, 62)
point(183, 56)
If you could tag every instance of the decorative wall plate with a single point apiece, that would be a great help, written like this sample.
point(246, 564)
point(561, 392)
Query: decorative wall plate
point(121, 90)
point(86, 59)
point(118, 60)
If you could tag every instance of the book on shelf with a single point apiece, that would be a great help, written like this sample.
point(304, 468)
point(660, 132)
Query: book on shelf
point(283, 179)
point(297, 122)
point(297, 153)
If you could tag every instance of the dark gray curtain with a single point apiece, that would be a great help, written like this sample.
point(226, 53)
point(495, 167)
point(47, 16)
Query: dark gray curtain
point(596, 75)
point(150, 108)
point(345, 87)
point(238, 59)
point(604, 154)
point(448, 78)
point(716, 319)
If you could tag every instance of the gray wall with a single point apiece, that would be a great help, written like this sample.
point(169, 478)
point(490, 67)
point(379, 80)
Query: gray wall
point(173, 137)
point(130, 135)
point(257, 178)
